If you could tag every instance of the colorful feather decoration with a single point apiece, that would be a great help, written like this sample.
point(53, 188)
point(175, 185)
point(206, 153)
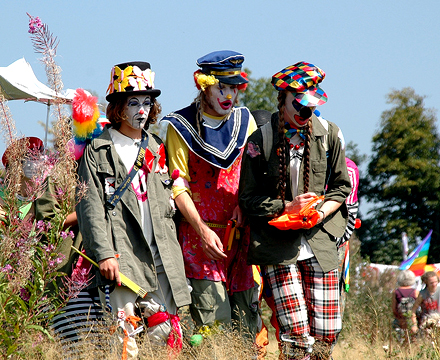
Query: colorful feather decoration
point(88, 122)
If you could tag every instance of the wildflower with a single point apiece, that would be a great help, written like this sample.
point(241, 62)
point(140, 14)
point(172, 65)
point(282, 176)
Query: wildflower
point(34, 24)
point(7, 269)
point(24, 294)
point(40, 225)
point(71, 234)
point(64, 235)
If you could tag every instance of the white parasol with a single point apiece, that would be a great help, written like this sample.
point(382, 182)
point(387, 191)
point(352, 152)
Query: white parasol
point(18, 82)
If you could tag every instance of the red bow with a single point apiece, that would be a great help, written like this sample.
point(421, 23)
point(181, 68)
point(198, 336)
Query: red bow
point(149, 158)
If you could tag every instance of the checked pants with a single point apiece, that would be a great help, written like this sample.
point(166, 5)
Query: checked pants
point(306, 300)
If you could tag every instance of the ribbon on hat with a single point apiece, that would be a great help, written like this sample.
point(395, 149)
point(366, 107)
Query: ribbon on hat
point(289, 131)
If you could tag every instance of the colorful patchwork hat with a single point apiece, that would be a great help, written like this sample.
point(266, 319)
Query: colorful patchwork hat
point(302, 79)
point(131, 78)
point(225, 65)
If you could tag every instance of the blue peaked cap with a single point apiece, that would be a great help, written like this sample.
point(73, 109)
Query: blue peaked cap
point(225, 65)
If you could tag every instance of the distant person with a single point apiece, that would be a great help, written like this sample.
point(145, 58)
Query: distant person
point(31, 173)
point(428, 300)
point(403, 298)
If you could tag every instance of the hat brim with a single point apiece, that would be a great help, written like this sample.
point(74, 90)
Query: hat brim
point(117, 95)
point(232, 80)
point(313, 96)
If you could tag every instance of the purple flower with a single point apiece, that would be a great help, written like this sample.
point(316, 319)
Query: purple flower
point(40, 225)
point(34, 24)
point(64, 235)
point(7, 269)
point(71, 234)
point(24, 294)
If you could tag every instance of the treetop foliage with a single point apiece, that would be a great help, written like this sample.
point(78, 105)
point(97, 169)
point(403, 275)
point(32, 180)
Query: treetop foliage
point(403, 177)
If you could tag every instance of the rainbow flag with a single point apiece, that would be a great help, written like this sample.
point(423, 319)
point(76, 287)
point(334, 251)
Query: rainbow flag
point(417, 259)
point(347, 267)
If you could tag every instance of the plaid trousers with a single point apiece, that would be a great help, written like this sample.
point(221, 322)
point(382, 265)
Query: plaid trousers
point(306, 299)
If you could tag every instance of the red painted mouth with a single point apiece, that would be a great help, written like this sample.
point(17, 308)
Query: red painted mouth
point(225, 105)
point(300, 120)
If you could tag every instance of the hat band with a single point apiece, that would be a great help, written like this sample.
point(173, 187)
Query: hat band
point(225, 73)
point(132, 77)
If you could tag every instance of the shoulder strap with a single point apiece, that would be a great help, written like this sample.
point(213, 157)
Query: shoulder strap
point(117, 195)
point(266, 132)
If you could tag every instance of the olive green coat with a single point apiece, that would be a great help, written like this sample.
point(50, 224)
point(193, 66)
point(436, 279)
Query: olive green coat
point(259, 190)
point(107, 233)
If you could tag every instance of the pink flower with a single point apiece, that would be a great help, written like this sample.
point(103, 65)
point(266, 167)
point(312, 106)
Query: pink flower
point(6, 269)
point(34, 24)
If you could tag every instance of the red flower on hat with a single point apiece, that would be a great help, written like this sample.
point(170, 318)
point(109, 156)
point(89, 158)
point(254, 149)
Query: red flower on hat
point(243, 87)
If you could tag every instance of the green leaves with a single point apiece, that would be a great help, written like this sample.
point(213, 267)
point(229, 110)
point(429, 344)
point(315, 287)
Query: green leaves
point(403, 177)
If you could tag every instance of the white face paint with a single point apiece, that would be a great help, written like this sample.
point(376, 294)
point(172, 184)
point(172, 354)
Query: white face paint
point(291, 114)
point(137, 110)
point(221, 99)
point(32, 168)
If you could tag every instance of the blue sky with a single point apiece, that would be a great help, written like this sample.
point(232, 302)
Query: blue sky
point(366, 48)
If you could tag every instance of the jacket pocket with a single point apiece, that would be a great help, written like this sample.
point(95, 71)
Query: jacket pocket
point(203, 301)
point(319, 170)
point(107, 177)
point(105, 168)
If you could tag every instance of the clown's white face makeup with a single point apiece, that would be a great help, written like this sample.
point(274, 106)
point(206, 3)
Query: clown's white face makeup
point(137, 110)
point(292, 113)
point(221, 99)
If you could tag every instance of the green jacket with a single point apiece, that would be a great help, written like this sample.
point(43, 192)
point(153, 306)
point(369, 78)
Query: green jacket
point(259, 190)
point(107, 233)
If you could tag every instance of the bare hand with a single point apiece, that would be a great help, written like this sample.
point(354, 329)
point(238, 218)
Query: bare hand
point(299, 202)
point(212, 245)
point(237, 214)
point(109, 268)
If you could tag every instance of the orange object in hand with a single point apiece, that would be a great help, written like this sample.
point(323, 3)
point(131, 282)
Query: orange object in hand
point(306, 218)
point(229, 234)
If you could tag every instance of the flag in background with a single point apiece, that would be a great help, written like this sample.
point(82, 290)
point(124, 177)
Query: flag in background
point(417, 259)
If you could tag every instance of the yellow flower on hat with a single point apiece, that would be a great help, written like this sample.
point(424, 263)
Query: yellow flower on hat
point(122, 81)
point(205, 80)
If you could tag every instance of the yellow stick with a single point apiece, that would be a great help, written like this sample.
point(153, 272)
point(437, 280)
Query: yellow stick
point(125, 280)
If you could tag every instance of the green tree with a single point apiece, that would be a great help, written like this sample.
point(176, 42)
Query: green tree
point(403, 178)
point(259, 94)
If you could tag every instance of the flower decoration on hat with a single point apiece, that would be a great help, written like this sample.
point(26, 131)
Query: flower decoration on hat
point(121, 82)
point(302, 79)
point(141, 80)
point(243, 87)
point(204, 81)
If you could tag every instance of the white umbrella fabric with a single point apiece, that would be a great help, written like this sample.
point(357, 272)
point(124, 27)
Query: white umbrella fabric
point(18, 82)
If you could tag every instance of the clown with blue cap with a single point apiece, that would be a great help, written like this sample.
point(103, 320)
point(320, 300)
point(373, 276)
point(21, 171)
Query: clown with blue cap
point(294, 165)
point(205, 143)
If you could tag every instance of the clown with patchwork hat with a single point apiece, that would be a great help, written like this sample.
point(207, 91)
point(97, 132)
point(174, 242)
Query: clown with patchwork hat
point(288, 163)
point(206, 141)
